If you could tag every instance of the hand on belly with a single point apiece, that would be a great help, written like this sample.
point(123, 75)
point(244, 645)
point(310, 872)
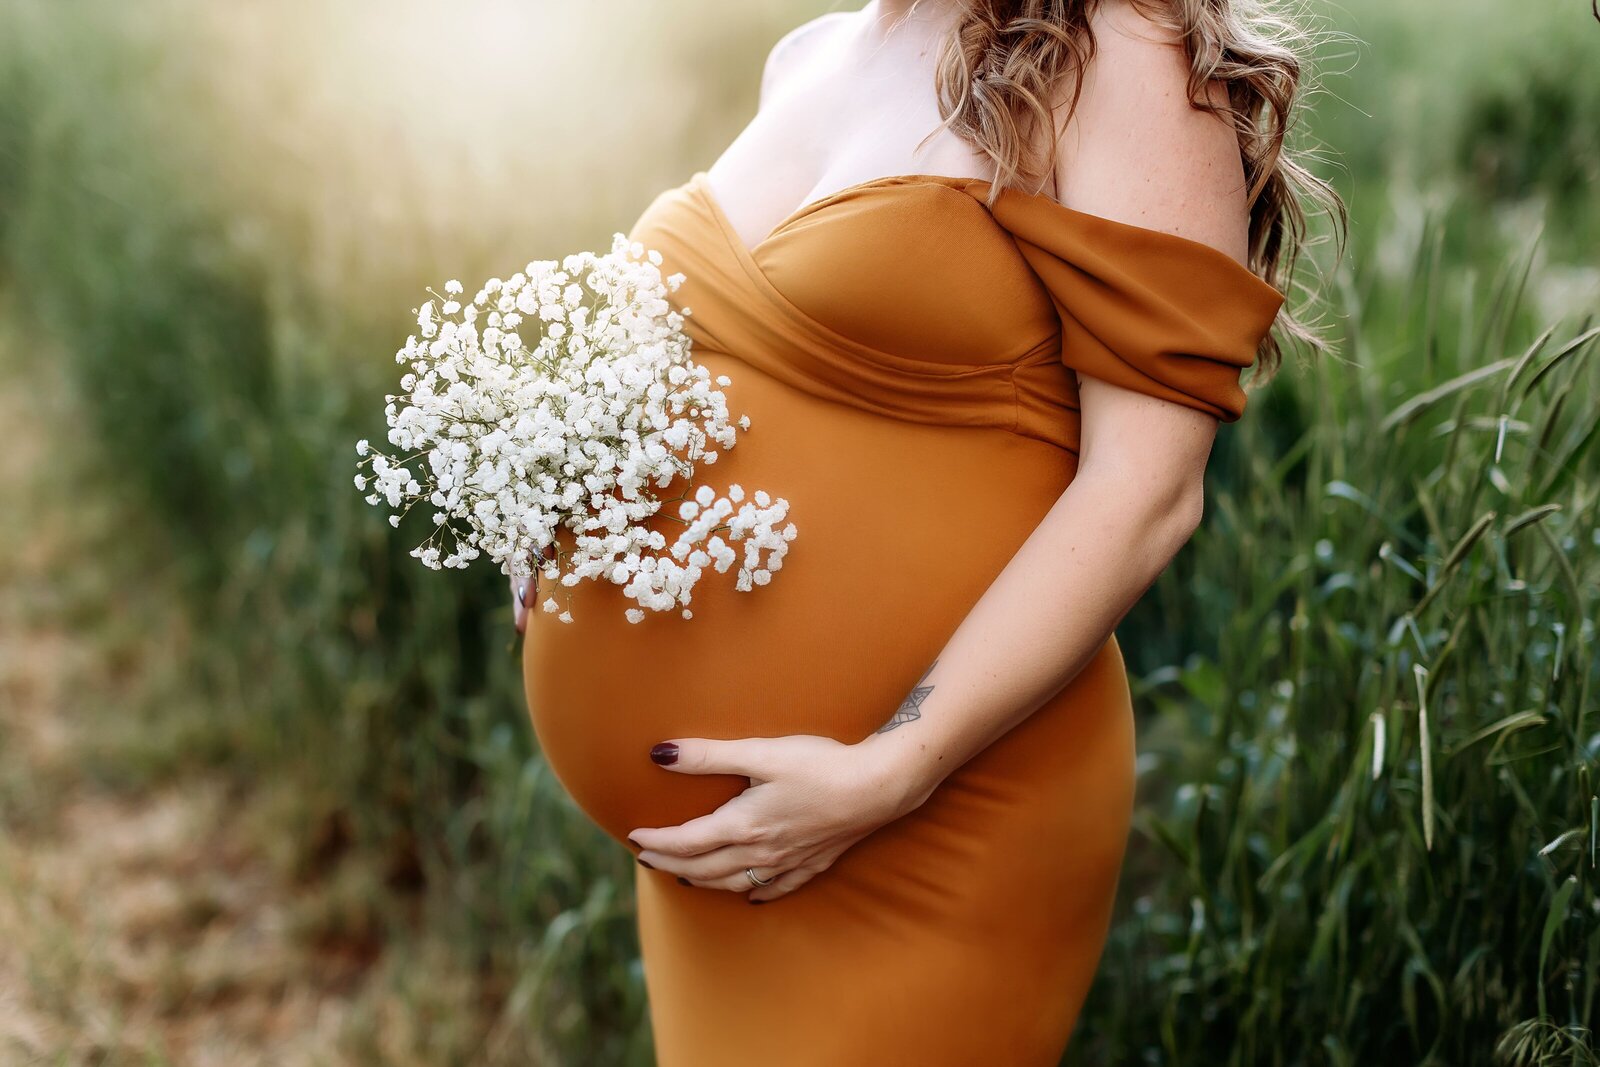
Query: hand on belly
point(810, 799)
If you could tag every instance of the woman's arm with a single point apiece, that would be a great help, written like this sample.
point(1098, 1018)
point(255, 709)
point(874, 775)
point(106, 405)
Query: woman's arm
point(1137, 496)
point(1135, 501)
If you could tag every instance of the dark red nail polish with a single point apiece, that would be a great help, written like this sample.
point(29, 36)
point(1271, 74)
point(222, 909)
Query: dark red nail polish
point(682, 880)
point(665, 753)
point(642, 863)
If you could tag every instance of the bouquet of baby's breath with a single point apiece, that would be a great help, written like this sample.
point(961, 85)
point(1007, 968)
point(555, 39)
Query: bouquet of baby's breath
point(564, 398)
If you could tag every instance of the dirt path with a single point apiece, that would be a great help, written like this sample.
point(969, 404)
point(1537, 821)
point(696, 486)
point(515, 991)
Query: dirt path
point(137, 922)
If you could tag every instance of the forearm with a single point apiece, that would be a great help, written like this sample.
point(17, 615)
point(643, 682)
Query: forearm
point(1035, 628)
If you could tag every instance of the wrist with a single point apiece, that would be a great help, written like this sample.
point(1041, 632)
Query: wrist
point(902, 768)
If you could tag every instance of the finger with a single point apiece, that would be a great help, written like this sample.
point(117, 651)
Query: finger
point(784, 884)
point(519, 609)
point(738, 881)
point(723, 864)
point(521, 589)
point(752, 757)
point(731, 824)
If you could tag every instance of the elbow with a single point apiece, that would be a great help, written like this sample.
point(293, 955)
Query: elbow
point(1162, 510)
point(1188, 511)
point(1192, 508)
point(1178, 514)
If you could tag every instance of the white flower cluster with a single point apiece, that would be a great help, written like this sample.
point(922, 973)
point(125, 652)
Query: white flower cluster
point(509, 442)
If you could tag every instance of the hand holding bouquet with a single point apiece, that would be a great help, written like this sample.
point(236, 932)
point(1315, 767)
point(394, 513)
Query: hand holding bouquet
point(565, 398)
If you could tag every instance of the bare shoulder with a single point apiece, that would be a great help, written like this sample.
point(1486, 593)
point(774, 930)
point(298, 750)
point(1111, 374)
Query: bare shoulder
point(1139, 152)
point(791, 49)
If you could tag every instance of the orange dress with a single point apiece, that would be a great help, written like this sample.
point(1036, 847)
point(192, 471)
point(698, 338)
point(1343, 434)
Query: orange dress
point(908, 357)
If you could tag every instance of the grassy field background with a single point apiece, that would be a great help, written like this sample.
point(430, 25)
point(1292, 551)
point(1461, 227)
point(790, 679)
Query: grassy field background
point(267, 789)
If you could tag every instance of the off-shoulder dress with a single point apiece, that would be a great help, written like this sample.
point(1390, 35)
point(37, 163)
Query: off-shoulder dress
point(909, 357)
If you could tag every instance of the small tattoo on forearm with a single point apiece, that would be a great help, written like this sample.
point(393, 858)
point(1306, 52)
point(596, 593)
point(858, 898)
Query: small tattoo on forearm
point(911, 707)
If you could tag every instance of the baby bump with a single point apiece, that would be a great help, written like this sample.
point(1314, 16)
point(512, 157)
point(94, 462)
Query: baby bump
point(902, 527)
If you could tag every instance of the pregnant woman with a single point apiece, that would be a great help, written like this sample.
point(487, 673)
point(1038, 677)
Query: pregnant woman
point(984, 274)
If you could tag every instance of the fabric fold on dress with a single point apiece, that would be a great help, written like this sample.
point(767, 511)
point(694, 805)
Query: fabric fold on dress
point(1147, 310)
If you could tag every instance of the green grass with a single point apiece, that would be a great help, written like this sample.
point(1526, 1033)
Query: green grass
point(212, 222)
point(1420, 564)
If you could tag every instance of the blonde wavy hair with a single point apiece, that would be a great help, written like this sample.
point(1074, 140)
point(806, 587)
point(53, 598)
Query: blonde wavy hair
point(1007, 59)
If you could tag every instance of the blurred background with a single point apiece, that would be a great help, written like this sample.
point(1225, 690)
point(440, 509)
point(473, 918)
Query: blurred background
point(268, 792)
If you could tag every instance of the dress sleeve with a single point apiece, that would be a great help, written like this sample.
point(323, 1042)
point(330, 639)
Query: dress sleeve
point(1151, 311)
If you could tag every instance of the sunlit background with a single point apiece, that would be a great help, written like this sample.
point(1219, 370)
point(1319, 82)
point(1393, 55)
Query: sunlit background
point(268, 793)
